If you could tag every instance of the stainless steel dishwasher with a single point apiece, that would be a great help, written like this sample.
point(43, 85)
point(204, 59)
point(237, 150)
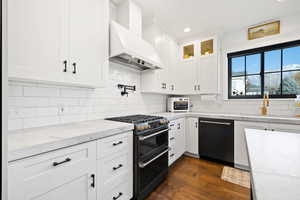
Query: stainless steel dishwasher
point(216, 140)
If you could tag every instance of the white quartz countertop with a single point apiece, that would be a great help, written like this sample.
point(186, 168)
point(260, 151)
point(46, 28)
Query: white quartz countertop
point(29, 142)
point(275, 164)
point(240, 117)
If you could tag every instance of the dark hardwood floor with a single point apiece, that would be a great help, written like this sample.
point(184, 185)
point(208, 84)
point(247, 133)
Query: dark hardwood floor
point(194, 179)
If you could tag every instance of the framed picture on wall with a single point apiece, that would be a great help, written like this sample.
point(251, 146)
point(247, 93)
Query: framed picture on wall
point(264, 30)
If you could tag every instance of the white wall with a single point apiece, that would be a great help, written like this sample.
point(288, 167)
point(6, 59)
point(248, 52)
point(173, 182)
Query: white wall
point(34, 105)
point(237, 41)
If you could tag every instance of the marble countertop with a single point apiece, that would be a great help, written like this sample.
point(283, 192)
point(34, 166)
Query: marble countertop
point(275, 164)
point(239, 117)
point(29, 142)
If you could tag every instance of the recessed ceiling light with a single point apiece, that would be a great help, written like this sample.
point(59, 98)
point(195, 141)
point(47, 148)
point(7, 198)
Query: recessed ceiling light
point(186, 30)
point(280, 1)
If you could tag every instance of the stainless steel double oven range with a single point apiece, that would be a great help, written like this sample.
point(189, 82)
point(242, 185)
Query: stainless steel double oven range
point(151, 137)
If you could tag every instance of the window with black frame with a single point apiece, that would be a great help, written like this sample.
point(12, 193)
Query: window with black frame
point(273, 69)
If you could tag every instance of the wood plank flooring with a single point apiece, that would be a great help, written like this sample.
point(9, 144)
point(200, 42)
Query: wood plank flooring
point(194, 179)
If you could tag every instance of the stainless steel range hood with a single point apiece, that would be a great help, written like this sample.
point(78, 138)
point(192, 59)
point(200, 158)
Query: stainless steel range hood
point(126, 44)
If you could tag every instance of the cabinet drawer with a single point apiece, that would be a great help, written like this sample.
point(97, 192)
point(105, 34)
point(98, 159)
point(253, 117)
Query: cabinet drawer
point(120, 192)
point(114, 167)
point(172, 126)
point(41, 174)
point(111, 145)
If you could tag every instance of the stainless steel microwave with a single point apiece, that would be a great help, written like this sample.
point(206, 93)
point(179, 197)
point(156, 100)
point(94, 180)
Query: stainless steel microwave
point(178, 104)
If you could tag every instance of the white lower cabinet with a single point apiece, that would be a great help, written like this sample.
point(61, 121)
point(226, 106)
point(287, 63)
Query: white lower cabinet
point(176, 139)
point(63, 174)
point(115, 167)
point(192, 136)
point(240, 148)
point(101, 169)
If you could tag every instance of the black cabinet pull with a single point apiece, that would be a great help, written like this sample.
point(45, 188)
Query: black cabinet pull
point(115, 168)
point(65, 64)
point(172, 138)
point(59, 163)
point(74, 66)
point(93, 180)
point(115, 144)
point(119, 195)
point(172, 155)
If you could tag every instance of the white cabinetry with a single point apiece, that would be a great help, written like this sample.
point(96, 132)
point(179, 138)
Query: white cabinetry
point(160, 81)
point(240, 148)
point(63, 174)
point(207, 74)
point(101, 169)
point(115, 167)
point(176, 139)
point(192, 134)
point(199, 74)
point(61, 42)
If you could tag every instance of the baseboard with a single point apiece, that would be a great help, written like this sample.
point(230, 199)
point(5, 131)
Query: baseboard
point(191, 155)
point(242, 167)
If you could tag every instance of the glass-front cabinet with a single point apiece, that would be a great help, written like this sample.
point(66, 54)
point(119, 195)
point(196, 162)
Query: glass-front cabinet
point(188, 51)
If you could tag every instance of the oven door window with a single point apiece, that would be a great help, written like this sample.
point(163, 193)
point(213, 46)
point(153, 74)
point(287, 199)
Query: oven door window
point(153, 145)
point(181, 105)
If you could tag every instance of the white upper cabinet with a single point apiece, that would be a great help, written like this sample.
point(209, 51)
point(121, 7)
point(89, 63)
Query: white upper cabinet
point(185, 75)
point(88, 41)
point(48, 39)
point(207, 75)
point(198, 68)
point(36, 34)
point(160, 81)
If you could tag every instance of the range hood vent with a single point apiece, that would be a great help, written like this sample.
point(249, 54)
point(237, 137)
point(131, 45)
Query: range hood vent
point(126, 44)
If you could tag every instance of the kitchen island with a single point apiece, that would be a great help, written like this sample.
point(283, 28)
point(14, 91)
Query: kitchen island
point(274, 163)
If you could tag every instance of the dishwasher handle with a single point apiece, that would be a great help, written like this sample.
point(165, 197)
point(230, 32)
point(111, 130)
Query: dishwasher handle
point(214, 122)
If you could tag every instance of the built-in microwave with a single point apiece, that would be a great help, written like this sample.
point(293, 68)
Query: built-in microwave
point(178, 104)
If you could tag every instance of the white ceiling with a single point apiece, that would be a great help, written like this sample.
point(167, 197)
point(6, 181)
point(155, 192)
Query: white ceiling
point(213, 16)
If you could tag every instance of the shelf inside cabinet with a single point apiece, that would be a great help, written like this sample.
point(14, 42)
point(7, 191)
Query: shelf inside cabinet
point(207, 47)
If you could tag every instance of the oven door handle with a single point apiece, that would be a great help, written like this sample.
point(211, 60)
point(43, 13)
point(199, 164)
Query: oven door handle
point(141, 138)
point(143, 165)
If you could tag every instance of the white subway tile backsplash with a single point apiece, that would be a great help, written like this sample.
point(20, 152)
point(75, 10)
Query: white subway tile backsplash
point(65, 92)
point(36, 105)
point(40, 121)
point(35, 102)
point(41, 91)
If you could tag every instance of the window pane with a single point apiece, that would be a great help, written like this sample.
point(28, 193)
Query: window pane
point(253, 64)
point(273, 61)
point(238, 66)
point(272, 83)
point(253, 85)
point(291, 82)
point(238, 86)
point(291, 58)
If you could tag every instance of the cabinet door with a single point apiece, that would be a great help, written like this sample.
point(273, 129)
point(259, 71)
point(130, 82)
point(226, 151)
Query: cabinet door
point(36, 36)
point(192, 136)
point(156, 81)
point(180, 137)
point(40, 178)
point(88, 41)
point(186, 77)
point(208, 74)
point(240, 148)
